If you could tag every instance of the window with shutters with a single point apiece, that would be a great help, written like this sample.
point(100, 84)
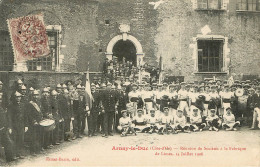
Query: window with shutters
point(209, 4)
point(6, 52)
point(248, 5)
point(47, 63)
point(210, 55)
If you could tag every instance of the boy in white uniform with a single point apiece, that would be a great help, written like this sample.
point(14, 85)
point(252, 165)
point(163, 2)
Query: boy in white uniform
point(166, 122)
point(180, 123)
point(140, 121)
point(196, 121)
point(125, 124)
point(213, 120)
point(229, 121)
point(152, 121)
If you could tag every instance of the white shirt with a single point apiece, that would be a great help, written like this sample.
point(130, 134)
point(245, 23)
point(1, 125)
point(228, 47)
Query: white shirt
point(180, 120)
point(124, 121)
point(195, 119)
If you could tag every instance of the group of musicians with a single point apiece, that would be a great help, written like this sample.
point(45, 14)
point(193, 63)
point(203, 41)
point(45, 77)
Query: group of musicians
point(125, 106)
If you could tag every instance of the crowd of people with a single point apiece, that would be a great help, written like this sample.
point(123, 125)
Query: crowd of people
point(51, 116)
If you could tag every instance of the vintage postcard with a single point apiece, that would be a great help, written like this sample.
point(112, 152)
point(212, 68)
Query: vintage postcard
point(130, 83)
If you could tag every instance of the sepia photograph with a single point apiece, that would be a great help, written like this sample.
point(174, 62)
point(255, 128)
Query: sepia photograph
point(130, 83)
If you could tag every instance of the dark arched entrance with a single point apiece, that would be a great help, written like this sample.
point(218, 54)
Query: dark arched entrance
point(125, 49)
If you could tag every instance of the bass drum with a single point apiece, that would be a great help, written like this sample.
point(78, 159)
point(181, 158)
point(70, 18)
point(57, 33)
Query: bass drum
point(239, 92)
point(47, 124)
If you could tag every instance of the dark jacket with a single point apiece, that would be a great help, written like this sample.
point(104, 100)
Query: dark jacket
point(95, 102)
point(46, 107)
point(34, 114)
point(109, 100)
point(17, 116)
point(63, 106)
point(256, 100)
point(55, 109)
point(3, 118)
point(79, 106)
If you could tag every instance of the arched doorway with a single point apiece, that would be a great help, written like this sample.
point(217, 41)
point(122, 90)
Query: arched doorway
point(129, 43)
point(125, 50)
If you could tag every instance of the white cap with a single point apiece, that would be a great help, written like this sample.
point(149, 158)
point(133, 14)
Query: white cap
point(78, 86)
point(83, 87)
point(17, 94)
point(35, 92)
point(1, 83)
point(19, 81)
point(64, 86)
point(45, 90)
point(54, 93)
point(66, 91)
point(31, 88)
point(23, 87)
point(113, 87)
point(58, 86)
point(97, 86)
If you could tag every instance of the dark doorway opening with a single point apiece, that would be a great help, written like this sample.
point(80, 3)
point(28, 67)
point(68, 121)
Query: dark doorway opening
point(125, 49)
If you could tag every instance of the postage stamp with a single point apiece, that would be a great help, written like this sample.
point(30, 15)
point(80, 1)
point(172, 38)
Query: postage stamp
point(28, 36)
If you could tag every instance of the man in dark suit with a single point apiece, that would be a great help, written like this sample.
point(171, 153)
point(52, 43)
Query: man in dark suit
point(47, 114)
point(34, 118)
point(18, 123)
point(122, 100)
point(256, 104)
point(5, 140)
point(109, 103)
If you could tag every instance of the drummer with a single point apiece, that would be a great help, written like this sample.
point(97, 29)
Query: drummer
point(47, 114)
point(34, 118)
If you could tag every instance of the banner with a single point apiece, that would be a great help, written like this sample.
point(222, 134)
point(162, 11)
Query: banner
point(29, 38)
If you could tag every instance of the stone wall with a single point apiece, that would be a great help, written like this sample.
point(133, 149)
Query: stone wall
point(180, 23)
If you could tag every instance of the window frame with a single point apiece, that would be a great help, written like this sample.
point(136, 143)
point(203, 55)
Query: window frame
point(6, 54)
point(226, 51)
point(219, 8)
point(247, 4)
point(54, 49)
point(220, 56)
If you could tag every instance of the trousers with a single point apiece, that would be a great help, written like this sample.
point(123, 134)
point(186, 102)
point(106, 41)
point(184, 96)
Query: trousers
point(108, 122)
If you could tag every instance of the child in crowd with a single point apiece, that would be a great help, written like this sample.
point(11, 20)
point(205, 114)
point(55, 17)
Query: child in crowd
point(166, 122)
point(229, 121)
point(140, 122)
point(181, 123)
point(213, 120)
point(152, 121)
point(196, 121)
point(125, 124)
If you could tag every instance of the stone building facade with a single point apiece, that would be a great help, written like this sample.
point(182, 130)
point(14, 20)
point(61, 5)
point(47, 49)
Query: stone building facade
point(196, 39)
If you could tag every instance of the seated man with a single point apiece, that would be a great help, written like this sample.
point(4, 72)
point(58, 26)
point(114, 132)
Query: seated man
point(213, 120)
point(196, 121)
point(152, 121)
point(166, 122)
point(229, 120)
point(180, 122)
point(125, 124)
point(140, 122)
